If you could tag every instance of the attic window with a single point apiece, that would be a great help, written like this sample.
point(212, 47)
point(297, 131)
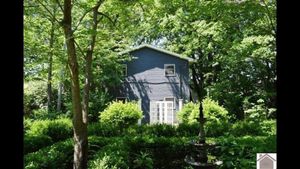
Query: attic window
point(124, 70)
point(169, 69)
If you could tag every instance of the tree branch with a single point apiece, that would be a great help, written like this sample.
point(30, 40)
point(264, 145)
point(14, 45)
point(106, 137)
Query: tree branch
point(82, 17)
point(269, 16)
point(57, 1)
point(81, 51)
point(106, 16)
point(53, 16)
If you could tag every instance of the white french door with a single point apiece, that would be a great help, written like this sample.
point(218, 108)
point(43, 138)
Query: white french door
point(161, 112)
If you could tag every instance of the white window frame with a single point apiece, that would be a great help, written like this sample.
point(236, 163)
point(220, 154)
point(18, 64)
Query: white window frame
point(126, 72)
point(174, 100)
point(165, 65)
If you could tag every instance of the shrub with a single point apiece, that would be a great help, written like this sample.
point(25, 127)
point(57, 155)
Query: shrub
point(188, 110)
point(213, 112)
point(158, 130)
point(103, 130)
point(244, 127)
point(185, 129)
point(34, 143)
point(114, 155)
point(240, 152)
point(215, 129)
point(27, 124)
point(160, 149)
point(60, 154)
point(268, 127)
point(121, 114)
point(259, 111)
point(58, 129)
point(35, 96)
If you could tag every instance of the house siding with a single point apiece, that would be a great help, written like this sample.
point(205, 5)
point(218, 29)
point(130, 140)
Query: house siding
point(146, 79)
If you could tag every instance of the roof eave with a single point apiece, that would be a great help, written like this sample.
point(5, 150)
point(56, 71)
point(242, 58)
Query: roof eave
point(158, 49)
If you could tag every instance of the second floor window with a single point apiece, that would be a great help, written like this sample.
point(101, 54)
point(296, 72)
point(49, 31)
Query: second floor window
point(169, 69)
point(124, 70)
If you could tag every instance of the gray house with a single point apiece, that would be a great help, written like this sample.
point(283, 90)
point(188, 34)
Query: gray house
point(158, 80)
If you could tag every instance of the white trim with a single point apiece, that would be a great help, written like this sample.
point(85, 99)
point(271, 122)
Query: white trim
point(174, 100)
point(165, 65)
point(160, 50)
point(180, 103)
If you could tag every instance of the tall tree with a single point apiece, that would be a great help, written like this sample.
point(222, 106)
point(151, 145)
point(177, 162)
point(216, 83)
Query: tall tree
point(88, 60)
point(80, 128)
point(50, 60)
point(220, 35)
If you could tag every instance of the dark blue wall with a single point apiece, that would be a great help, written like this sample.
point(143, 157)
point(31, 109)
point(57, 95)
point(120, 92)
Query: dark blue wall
point(146, 78)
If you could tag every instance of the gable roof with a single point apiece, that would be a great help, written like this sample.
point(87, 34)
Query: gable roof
point(160, 50)
point(264, 156)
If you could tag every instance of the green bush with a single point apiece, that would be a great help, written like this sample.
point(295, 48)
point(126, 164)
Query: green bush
point(35, 96)
point(216, 129)
point(27, 124)
point(258, 111)
point(34, 143)
point(187, 130)
point(114, 155)
point(58, 129)
point(121, 114)
point(213, 112)
point(188, 110)
point(240, 152)
point(60, 154)
point(158, 130)
point(244, 127)
point(160, 149)
point(268, 127)
point(103, 130)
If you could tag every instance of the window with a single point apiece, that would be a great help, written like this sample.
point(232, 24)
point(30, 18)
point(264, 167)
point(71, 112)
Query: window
point(123, 99)
point(172, 99)
point(124, 70)
point(169, 69)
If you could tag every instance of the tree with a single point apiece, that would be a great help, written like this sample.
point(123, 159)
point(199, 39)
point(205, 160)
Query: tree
point(220, 35)
point(72, 33)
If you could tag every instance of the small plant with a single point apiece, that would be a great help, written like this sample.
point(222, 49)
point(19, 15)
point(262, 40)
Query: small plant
point(142, 161)
point(102, 163)
point(121, 114)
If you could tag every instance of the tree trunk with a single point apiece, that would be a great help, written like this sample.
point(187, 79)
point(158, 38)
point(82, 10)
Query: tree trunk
point(79, 127)
point(50, 60)
point(88, 67)
point(59, 94)
point(198, 86)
